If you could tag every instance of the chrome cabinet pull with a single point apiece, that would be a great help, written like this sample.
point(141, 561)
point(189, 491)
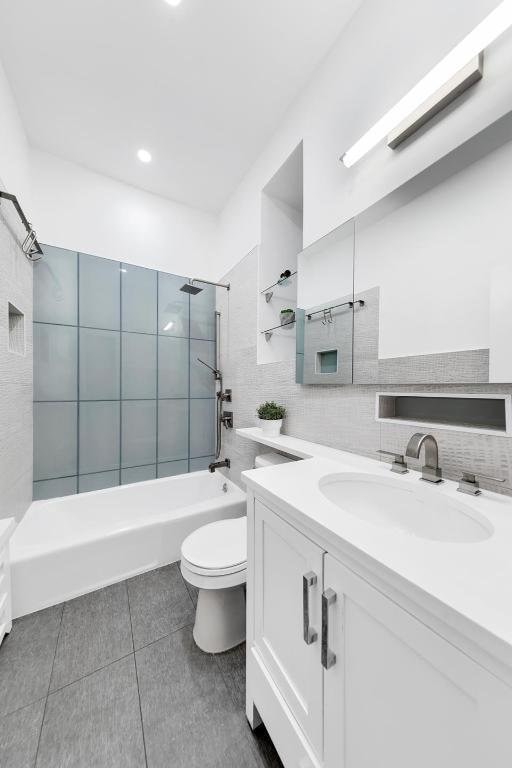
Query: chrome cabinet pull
point(328, 657)
point(308, 580)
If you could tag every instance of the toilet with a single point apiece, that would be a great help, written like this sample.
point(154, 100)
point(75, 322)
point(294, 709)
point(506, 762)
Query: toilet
point(214, 559)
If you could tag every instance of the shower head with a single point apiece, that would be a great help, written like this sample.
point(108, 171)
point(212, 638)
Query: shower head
point(192, 289)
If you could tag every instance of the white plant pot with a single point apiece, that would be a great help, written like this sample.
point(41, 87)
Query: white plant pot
point(271, 427)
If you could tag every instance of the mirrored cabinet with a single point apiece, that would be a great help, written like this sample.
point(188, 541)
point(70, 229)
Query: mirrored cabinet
point(417, 289)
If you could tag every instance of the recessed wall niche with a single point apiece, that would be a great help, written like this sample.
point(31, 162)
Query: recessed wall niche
point(16, 330)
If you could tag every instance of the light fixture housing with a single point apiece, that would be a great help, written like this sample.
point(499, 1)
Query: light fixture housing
point(174, 3)
point(144, 156)
point(497, 22)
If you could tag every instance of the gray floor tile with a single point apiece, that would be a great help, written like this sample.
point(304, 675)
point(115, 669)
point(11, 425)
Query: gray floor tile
point(19, 735)
point(189, 717)
point(232, 667)
point(95, 632)
point(193, 592)
point(26, 659)
point(95, 722)
point(159, 604)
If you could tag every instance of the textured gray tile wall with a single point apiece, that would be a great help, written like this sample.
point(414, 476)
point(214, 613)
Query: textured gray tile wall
point(15, 376)
point(338, 416)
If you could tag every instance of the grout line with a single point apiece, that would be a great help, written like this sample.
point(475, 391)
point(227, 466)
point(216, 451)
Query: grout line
point(49, 683)
point(136, 675)
point(24, 706)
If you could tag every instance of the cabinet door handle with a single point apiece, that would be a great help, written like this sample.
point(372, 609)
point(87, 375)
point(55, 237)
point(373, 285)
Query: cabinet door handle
point(328, 657)
point(308, 580)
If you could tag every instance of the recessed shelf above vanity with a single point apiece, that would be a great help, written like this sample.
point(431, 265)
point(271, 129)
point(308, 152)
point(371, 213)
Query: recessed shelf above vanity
point(489, 414)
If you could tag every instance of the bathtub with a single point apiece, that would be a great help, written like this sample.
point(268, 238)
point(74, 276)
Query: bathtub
point(72, 545)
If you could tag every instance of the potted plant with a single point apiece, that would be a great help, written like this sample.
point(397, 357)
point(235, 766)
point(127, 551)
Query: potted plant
point(287, 316)
point(271, 417)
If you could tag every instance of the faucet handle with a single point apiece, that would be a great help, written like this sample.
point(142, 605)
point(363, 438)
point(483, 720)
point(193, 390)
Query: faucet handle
point(398, 464)
point(469, 483)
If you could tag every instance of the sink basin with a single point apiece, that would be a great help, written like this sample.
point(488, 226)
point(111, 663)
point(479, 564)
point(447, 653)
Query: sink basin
point(418, 510)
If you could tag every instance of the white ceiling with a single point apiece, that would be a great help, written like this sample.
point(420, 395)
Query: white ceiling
point(202, 86)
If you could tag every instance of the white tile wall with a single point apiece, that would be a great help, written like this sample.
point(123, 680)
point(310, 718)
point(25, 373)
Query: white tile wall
point(15, 375)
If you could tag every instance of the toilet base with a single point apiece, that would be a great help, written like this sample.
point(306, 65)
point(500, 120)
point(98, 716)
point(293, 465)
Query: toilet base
point(220, 619)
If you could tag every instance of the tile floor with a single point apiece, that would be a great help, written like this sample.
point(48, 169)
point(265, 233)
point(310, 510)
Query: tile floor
point(114, 679)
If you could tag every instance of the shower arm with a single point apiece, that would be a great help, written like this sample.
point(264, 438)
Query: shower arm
point(227, 286)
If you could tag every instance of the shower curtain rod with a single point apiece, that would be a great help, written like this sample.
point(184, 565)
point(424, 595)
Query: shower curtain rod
point(30, 246)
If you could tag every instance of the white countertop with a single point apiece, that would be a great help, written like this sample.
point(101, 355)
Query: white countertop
point(473, 580)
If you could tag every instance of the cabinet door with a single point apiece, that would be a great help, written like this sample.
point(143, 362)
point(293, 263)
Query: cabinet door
point(398, 695)
point(283, 558)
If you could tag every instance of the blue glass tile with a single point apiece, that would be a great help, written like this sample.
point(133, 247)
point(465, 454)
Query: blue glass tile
point(173, 305)
point(55, 443)
point(98, 481)
point(56, 286)
point(99, 437)
point(202, 428)
point(138, 474)
point(138, 299)
point(172, 430)
point(138, 367)
point(173, 374)
point(138, 433)
point(51, 489)
point(55, 362)
point(99, 292)
point(172, 468)
point(99, 364)
point(197, 465)
point(202, 380)
point(202, 314)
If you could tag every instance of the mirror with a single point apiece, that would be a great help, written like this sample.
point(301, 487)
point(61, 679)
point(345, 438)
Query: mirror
point(325, 318)
point(432, 277)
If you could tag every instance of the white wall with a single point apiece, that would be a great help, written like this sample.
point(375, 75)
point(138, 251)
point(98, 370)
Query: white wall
point(382, 53)
point(84, 211)
point(14, 161)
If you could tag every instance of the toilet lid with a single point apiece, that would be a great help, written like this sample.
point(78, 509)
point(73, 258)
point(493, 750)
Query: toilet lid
point(217, 545)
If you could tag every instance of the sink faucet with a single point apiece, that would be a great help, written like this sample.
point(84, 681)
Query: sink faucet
point(431, 471)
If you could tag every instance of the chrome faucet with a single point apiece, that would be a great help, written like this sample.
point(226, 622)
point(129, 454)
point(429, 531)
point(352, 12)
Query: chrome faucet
point(431, 471)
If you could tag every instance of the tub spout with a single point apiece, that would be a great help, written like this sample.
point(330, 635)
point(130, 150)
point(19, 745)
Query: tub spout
point(219, 464)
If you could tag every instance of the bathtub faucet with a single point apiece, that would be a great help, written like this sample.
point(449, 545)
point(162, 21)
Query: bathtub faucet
point(218, 464)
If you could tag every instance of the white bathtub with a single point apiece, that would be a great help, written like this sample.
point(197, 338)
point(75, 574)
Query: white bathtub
point(69, 546)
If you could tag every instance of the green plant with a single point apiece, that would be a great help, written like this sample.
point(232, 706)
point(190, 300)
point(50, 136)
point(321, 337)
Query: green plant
point(287, 311)
point(271, 411)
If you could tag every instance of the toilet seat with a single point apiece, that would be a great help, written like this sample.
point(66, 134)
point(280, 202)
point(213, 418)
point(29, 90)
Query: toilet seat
point(215, 555)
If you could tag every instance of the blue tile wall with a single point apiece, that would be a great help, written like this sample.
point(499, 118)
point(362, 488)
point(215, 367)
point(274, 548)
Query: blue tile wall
point(119, 396)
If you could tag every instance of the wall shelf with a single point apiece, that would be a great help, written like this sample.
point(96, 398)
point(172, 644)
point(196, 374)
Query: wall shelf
point(270, 331)
point(489, 414)
point(268, 292)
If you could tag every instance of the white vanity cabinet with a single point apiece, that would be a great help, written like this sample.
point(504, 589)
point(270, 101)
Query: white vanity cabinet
point(344, 677)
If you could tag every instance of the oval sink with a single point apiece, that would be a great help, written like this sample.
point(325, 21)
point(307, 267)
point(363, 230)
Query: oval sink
point(420, 511)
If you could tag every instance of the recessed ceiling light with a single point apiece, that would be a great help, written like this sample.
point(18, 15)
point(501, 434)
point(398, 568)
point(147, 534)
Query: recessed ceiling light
point(174, 3)
point(144, 156)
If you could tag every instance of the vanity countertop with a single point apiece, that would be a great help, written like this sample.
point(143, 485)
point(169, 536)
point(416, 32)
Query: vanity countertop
point(467, 586)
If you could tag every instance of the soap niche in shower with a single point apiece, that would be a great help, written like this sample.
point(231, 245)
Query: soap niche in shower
point(16, 330)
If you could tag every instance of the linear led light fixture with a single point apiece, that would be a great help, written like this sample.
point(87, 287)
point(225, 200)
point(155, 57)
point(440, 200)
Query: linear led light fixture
point(452, 66)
